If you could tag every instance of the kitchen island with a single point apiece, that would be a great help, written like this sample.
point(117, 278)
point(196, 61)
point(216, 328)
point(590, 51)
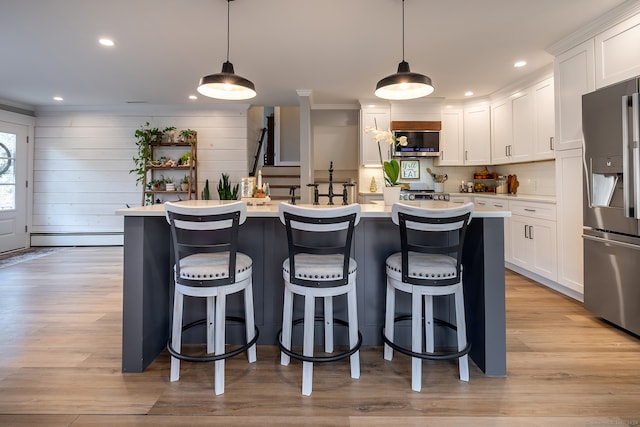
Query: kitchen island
point(147, 282)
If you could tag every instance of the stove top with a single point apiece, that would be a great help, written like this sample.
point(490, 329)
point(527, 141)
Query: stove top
point(423, 195)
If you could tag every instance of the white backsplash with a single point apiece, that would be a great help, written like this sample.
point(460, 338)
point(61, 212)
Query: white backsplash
point(535, 178)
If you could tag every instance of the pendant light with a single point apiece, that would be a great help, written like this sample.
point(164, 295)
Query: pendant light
point(226, 84)
point(404, 84)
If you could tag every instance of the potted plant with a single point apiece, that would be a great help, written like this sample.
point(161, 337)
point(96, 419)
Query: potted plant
point(188, 135)
point(185, 159)
point(224, 189)
point(206, 195)
point(168, 134)
point(184, 185)
point(391, 168)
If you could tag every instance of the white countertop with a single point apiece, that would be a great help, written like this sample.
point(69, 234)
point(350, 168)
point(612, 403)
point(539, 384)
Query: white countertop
point(523, 197)
point(270, 210)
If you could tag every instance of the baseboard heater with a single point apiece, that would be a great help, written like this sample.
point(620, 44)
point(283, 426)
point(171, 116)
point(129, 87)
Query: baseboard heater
point(77, 239)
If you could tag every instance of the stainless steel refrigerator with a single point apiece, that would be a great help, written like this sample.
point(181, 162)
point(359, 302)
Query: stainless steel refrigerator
point(611, 212)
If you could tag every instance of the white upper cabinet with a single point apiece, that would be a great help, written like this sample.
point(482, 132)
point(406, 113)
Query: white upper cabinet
point(372, 117)
point(521, 149)
point(451, 138)
point(477, 135)
point(618, 52)
point(501, 131)
point(574, 75)
point(517, 121)
point(544, 121)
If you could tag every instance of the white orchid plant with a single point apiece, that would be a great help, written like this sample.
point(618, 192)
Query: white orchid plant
point(391, 168)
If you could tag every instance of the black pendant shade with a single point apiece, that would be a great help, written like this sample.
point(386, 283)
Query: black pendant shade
point(404, 84)
point(226, 84)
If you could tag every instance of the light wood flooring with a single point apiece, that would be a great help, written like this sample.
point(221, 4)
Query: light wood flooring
point(60, 329)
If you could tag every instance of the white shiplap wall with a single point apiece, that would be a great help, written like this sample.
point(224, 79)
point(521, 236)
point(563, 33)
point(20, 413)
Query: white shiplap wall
point(82, 160)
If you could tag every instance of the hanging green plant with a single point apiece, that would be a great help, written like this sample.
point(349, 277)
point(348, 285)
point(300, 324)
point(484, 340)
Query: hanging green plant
point(146, 135)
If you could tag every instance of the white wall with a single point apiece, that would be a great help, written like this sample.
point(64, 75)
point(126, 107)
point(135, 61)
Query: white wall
point(82, 161)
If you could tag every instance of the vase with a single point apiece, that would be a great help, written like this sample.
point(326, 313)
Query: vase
point(391, 194)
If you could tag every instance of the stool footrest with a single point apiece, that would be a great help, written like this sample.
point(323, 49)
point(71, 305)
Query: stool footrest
point(429, 356)
point(212, 358)
point(320, 359)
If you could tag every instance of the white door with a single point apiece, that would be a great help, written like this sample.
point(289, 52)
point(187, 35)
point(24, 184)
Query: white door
point(13, 190)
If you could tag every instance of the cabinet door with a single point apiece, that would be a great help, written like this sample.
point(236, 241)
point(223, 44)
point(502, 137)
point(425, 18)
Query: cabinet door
point(451, 138)
point(521, 247)
point(381, 118)
point(521, 149)
point(477, 135)
point(543, 236)
point(533, 245)
point(544, 121)
point(617, 53)
point(501, 131)
point(574, 75)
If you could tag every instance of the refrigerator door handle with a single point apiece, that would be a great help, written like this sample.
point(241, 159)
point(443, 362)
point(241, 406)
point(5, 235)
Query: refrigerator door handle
point(626, 189)
point(635, 149)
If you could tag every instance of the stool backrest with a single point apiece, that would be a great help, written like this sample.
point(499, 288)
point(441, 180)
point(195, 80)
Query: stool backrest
point(319, 231)
point(199, 228)
point(435, 231)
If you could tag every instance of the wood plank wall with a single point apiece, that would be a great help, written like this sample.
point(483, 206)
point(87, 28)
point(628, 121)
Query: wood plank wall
point(82, 161)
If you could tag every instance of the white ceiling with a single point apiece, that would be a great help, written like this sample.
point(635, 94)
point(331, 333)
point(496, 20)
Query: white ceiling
point(337, 48)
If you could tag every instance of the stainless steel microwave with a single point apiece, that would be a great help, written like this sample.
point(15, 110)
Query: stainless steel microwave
point(420, 143)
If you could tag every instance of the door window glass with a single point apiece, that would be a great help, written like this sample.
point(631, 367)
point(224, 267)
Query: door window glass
point(7, 171)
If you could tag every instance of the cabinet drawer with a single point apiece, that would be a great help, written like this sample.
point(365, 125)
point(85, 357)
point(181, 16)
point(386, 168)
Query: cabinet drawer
point(492, 203)
point(460, 199)
point(533, 209)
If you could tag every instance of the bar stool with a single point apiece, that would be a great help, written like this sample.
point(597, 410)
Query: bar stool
point(429, 264)
point(208, 265)
point(319, 266)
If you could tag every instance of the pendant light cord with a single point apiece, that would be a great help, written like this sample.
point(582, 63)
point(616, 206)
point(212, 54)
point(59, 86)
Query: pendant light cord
point(402, 30)
point(228, 14)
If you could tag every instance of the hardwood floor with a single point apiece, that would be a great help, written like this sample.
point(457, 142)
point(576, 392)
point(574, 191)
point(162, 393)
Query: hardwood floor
point(60, 325)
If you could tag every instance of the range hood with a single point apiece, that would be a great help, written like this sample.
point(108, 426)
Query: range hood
point(416, 125)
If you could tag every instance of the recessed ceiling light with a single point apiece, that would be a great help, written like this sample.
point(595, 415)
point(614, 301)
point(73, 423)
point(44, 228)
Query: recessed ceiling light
point(106, 42)
point(193, 97)
point(58, 98)
point(468, 93)
point(520, 64)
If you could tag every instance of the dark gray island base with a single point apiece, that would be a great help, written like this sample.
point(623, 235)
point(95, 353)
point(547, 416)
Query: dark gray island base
point(148, 281)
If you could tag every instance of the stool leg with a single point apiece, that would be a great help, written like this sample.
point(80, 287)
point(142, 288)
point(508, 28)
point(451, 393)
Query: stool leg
point(388, 319)
point(211, 322)
point(287, 324)
point(328, 324)
point(249, 319)
point(416, 341)
point(307, 350)
point(353, 331)
point(428, 323)
point(221, 301)
point(176, 334)
point(463, 362)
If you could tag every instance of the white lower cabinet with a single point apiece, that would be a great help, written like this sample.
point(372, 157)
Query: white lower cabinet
point(532, 234)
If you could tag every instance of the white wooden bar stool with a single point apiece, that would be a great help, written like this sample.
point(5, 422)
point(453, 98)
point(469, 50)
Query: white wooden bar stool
point(208, 265)
point(319, 266)
point(429, 264)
